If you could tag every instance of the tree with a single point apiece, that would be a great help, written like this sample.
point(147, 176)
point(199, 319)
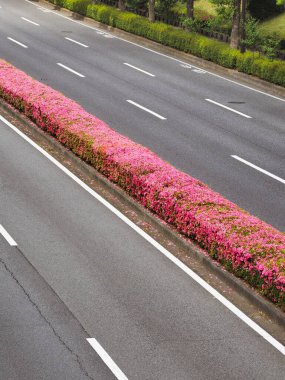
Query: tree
point(190, 8)
point(270, 45)
point(151, 10)
point(252, 39)
point(121, 5)
point(243, 22)
point(163, 7)
point(235, 34)
point(139, 5)
point(231, 9)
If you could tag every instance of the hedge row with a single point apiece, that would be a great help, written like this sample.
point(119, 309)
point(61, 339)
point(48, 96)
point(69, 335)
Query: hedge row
point(200, 46)
point(244, 244)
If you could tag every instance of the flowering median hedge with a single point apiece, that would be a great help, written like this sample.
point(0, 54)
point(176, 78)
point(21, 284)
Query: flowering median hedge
point(244, 244)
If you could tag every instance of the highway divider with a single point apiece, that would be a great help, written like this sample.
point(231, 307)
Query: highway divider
point(243, 244)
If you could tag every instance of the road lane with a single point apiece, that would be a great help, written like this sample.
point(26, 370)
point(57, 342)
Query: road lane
point(194, 138)
point(40, 338)
point(151, 318)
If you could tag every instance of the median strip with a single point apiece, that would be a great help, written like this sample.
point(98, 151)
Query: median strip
point(245, 245)
point(189, 272)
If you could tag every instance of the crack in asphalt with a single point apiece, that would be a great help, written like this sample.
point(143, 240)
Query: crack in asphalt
point(59, 338)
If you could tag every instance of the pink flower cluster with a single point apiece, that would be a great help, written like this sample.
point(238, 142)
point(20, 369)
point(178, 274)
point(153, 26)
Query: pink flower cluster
point(246, 245)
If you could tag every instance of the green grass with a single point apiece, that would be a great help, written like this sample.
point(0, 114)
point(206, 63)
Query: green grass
point(204, 7)
point(275, 24)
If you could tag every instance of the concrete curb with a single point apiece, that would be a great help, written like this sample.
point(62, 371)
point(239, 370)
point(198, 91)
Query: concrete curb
point(185, 244)
point(212, 68)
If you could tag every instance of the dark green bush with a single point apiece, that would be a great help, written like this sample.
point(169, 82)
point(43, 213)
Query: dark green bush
point(79, 6)
point(193, 43)
point(245, 62)
point(279, 75)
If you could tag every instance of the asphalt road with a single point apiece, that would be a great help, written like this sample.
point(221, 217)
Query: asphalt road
point(40, 338)
point(188, 126)
point(151, 317)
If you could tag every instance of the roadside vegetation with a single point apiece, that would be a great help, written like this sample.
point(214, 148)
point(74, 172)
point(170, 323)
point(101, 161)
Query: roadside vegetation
point(243, 244)
point(274, 25)
point(262, 64)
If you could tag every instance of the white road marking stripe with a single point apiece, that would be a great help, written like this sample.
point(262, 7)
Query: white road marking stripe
point(142, 71)
point(259, 169)
point(228, 108)
point(7, 236)
point(254, 326)
point(76, 42)
point(146, 109)
point(69, 69)
point(40, 8)
point(186, 66)
point(17, 42)
point(107, 359)
point(166, 56)
point(31, 22)
point(199, 71)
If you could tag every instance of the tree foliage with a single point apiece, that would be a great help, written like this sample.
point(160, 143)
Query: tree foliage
point(137, 4)
point(261, 9)
point(253, 37)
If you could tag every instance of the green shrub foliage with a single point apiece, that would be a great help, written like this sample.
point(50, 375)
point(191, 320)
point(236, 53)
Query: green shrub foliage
point(193, 43)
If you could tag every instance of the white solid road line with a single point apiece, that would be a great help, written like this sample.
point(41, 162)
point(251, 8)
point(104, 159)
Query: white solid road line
point(17, 42)
point(199, 71)
point(166, 56)
point(259, 169)
point(76, 42)
point(146, 109)
point(72, 71)
point(107, 359)
point(230, 306)
point(142, 71)
point(228, 108)
point(31, 22)
point(7, 236)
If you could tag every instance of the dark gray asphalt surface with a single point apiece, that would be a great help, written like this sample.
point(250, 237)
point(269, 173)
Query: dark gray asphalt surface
point(197, 137)
point(151, 318)
point(40, 339)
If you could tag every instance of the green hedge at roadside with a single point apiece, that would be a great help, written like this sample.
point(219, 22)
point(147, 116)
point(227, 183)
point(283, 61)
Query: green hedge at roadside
point(78, 6)
point(193, 43)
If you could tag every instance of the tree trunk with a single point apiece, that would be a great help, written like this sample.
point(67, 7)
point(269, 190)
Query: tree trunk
point(121, 5)
point(235, 35)
point(151, 15)
point(190, 9)
point(243, 20)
